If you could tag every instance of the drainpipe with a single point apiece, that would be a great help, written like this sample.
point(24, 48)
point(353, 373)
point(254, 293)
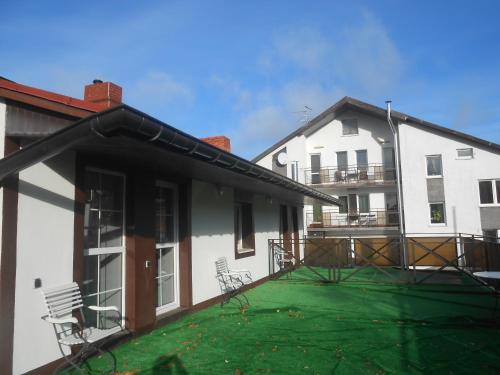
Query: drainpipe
point(398, 185)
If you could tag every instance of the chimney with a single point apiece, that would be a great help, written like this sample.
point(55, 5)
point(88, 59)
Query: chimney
point(219, 141)
point(107, 94)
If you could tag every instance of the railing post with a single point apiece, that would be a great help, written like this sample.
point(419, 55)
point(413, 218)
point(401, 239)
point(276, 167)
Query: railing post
point(460, 251)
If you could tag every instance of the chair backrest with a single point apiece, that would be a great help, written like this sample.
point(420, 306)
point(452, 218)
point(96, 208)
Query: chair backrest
point(62, 300)
point(221, 265)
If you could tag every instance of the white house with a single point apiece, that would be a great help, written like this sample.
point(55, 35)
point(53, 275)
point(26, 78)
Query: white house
point(450, 180)
point(134, 210)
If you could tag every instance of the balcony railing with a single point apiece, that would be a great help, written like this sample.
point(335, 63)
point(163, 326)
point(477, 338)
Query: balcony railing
point(353, 174)
point(333, 219)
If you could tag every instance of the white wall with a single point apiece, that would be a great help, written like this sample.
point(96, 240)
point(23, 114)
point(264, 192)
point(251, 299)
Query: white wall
point(460, 180)
point(213, 237)
point(45, 251)
point(296, 152)
point(329, 139)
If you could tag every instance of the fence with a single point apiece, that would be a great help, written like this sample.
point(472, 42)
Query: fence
point(410, 259)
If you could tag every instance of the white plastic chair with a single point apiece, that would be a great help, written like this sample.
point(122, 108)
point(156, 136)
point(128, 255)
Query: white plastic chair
point(231, 281)
point(61, 303)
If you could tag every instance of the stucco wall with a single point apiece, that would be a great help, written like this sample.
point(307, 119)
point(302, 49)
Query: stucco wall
point(329, 139)
point(45, 251)
point(460, 178)
point(213, 237)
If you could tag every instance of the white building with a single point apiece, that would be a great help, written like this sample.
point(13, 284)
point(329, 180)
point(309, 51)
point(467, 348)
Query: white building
point(450, 180)
point(132, 209)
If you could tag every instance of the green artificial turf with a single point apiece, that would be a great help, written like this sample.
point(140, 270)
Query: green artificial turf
point(302, 326)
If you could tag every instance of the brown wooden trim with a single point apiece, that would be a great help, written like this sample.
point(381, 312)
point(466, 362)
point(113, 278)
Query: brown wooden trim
point(295, 224)
point(242, 201)
point(185, 251)
point(8, 264)
point(78, 241)
point(44, 103)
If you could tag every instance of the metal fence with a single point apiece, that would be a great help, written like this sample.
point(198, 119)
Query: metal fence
point(422, 259)
point(334, 219)
point(349, 174)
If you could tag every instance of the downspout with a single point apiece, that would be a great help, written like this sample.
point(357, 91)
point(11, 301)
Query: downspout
point(402, 231)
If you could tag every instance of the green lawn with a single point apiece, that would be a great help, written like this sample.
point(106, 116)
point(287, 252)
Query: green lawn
point(298, 326)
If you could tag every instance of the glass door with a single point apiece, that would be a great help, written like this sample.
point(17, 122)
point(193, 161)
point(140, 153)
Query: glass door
point(103, 244)
point(167, 289)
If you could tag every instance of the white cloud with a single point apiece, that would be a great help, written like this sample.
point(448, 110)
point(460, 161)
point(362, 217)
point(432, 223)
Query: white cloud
point(306, 48)
point(308, 67)
point(368, 57)
point(232, 90)
point(159, 89)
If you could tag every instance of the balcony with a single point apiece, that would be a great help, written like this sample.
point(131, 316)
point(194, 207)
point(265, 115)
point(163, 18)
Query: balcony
point(351, 176)
point(372, 219)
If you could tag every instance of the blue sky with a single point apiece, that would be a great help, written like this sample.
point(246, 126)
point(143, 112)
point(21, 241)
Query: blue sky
point(247, 68)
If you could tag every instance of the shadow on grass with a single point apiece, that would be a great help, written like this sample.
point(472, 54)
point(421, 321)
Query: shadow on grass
point(166, 365)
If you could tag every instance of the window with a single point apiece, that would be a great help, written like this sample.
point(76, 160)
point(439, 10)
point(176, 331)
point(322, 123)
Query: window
point(103, 243)
point(489, 192)
point(362, 159)
point(437, 213)
point(315, 168)
point(317, 212)
point(342, 160)
point(244, 230)
point(364, 203)
point(465, 153)
point(350, 127)
point(434, 166)
point(343, 209)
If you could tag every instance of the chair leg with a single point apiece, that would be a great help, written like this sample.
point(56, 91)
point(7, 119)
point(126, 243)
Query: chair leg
point(71, 360)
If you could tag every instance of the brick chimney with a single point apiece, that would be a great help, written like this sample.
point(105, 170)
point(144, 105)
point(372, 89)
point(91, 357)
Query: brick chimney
point(107, 94)
point(219, 141)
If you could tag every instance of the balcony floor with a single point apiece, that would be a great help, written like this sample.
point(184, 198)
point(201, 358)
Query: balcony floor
point(300, 326)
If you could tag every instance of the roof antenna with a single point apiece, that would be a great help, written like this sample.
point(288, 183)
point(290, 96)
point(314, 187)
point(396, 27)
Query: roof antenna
point(306, 114)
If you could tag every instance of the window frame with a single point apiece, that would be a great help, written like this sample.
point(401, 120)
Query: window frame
point(443, 223)
point(240, 251)
point(318, 173)
point(344, 134)
point(465, 157)
point(495, 195)
point(427, 169)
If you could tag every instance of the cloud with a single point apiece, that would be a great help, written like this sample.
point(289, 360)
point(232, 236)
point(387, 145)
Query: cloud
point(232, 90)
point(306, 48)
point(310, 67)
point(369, 57)
point(158, 89)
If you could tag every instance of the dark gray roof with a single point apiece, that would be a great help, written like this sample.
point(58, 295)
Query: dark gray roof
point(148, 137)
point(347, 103)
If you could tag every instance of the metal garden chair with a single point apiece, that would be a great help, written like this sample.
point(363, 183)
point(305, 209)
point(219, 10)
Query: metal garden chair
point(61, 303)
point(283, 259)
point(231, 282)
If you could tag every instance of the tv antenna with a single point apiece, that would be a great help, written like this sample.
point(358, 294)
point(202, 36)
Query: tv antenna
point(305, 114)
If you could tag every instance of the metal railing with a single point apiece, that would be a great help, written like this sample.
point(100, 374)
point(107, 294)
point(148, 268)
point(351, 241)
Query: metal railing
point(351, 174)
point(372, 218)
point(431, 258)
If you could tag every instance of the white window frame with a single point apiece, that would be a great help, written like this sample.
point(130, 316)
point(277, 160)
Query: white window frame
point(465, 157)
point(496, 198)
point(442, 168)
point(116, 249)
point(310, 167)
point(175, 245)
point(444, 223)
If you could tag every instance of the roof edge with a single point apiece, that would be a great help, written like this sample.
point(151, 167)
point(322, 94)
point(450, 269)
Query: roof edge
point(127, 121)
